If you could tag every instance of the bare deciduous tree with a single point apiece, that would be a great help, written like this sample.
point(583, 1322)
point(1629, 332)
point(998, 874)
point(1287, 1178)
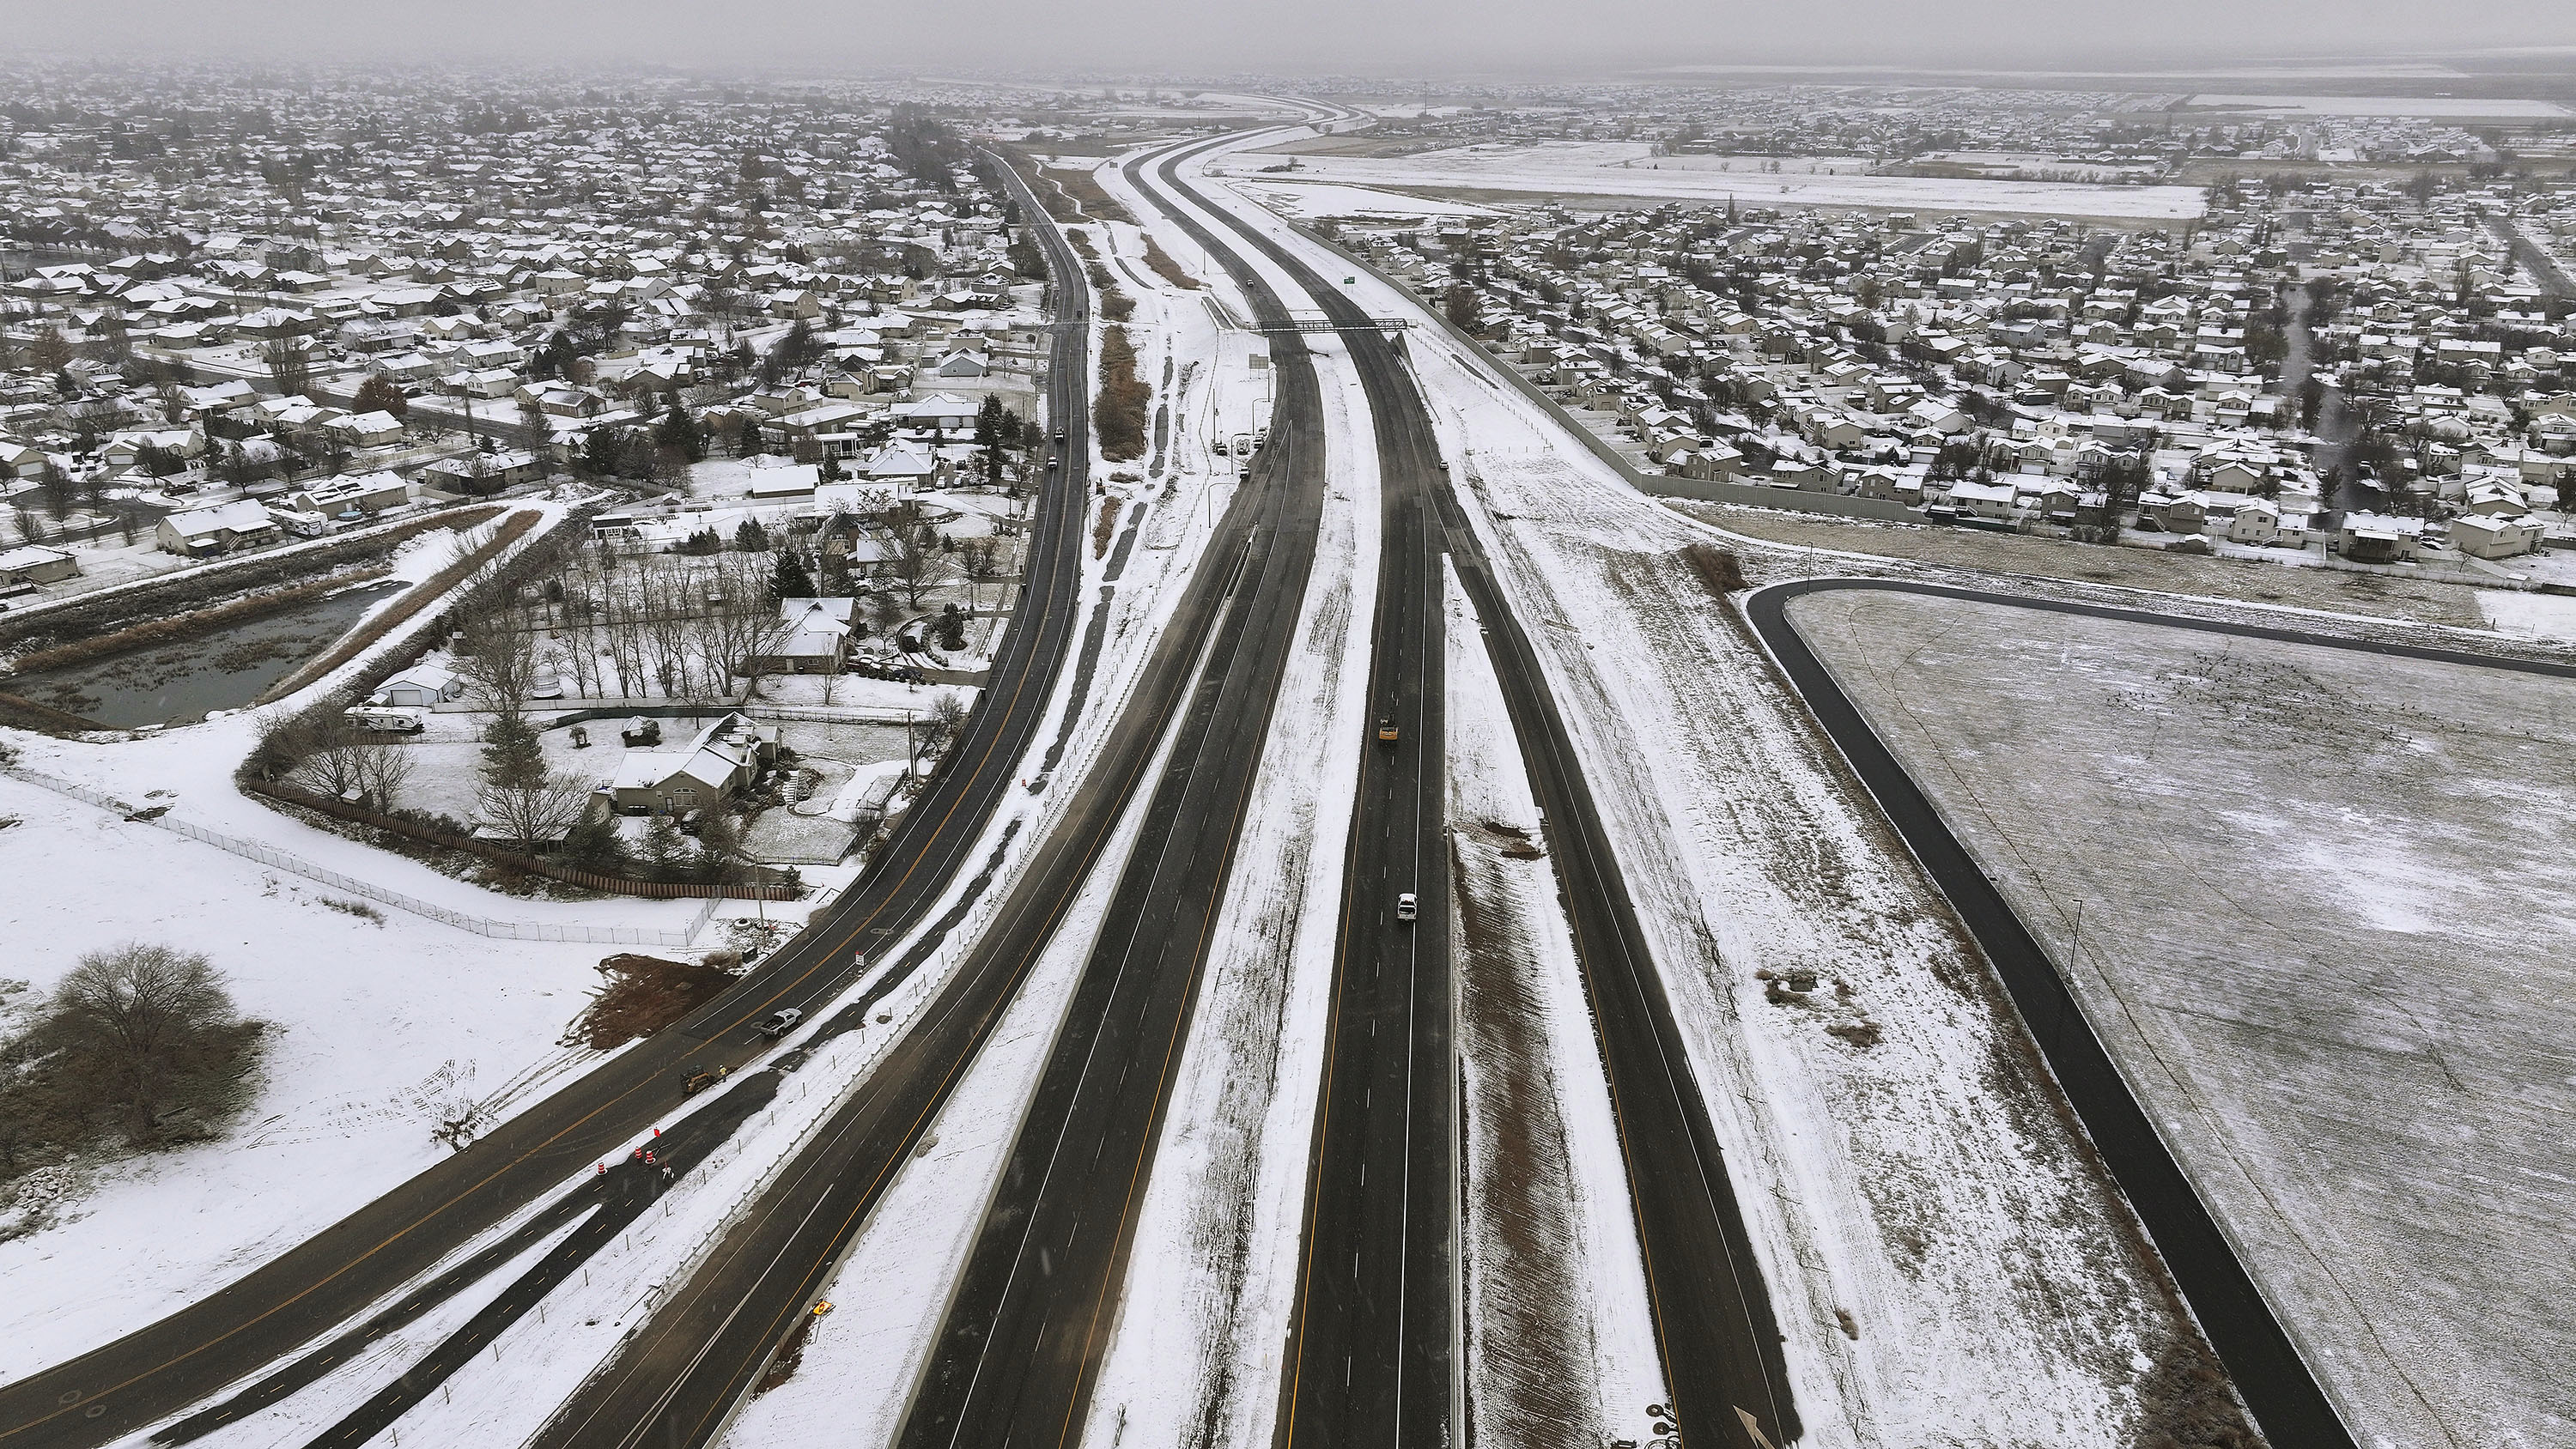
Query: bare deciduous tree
point(981, 559)
point(334, 761)
point(914, 565)
point(147, 1029)
point(538, 812)
point(948, 714)
point(497, 658)
point(289, 363)
point(382, 772)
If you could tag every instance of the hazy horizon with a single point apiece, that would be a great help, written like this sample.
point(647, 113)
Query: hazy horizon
point(1443, 37)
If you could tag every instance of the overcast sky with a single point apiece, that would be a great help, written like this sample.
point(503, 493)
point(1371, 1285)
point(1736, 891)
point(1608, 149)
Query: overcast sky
point(1418, 37)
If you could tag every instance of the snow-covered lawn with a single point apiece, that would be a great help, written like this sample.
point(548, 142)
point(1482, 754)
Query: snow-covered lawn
point(2532, 616)
point(383, 1028)
point(1620, 168)
point(2332, 953)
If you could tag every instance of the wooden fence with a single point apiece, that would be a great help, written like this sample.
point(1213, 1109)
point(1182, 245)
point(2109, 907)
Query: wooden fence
point(502, 855)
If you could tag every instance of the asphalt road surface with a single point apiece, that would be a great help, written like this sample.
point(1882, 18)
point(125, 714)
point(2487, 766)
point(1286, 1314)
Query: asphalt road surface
point(1372, 1340)
point(2275, 1383)
point(266, 1315)
point(692, 1362)
point(1713, 1320)
point(1028, 1325)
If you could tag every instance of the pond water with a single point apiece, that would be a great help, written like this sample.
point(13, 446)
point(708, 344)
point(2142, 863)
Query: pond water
point(183, 680)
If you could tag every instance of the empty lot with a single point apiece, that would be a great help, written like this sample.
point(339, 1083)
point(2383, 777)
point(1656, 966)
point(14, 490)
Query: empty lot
point(2327, 927)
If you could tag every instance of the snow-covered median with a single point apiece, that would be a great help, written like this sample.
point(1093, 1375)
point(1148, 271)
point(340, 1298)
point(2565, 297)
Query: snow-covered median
point(1561, 1339)
point(1944, 1256)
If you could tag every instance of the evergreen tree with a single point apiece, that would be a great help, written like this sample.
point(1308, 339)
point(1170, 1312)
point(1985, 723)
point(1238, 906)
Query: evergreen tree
point(749, 444)
point(380, 394)
point(790, 580)
point(751, 537)
point(718, 844)
point(594, 844)
point(680, 432)
point(512, 759)
point(666, 850)
point(602, 451)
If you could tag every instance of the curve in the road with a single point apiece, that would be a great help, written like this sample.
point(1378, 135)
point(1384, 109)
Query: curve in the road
point(1714, 1326)
point(335, 1275)
point(2276, 1384)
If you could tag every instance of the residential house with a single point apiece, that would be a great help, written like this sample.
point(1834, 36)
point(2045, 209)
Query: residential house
point(208, 532)
point(816, 639)
point(940, 412)
point(2378, 538)
point(2256, 522)
point(367, 430)
point(2495, 535)
point(722, 760)
point(27, 566)
point(480, 473)
point(2173, 512)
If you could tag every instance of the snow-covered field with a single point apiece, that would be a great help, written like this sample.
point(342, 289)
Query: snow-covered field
point(1619, 168)
point(2332, 954)
point(384, 1029)
point(2428, 107)
point(2531, 616)
point(387, 1023)
point(1308, 200)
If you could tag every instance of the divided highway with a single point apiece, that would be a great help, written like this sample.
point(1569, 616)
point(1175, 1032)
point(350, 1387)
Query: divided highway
point(1021, 1346)
point(163, 1368)
point(1205, 690)
point(1713, 1320)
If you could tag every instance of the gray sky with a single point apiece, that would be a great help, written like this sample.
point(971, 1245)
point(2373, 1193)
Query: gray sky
point(1411, 36)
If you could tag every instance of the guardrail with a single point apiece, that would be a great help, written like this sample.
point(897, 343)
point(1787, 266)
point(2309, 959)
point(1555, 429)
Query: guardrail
point(368, 890)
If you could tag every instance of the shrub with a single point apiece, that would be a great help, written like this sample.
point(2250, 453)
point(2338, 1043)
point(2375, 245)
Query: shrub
point(1718, 568)
point(1166, 268)
point(141, 1040)
point(1118, 411)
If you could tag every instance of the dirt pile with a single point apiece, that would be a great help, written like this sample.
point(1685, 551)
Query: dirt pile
point(645, 994)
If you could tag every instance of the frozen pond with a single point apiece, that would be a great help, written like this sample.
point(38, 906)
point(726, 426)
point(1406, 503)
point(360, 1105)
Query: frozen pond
point(184, 679)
